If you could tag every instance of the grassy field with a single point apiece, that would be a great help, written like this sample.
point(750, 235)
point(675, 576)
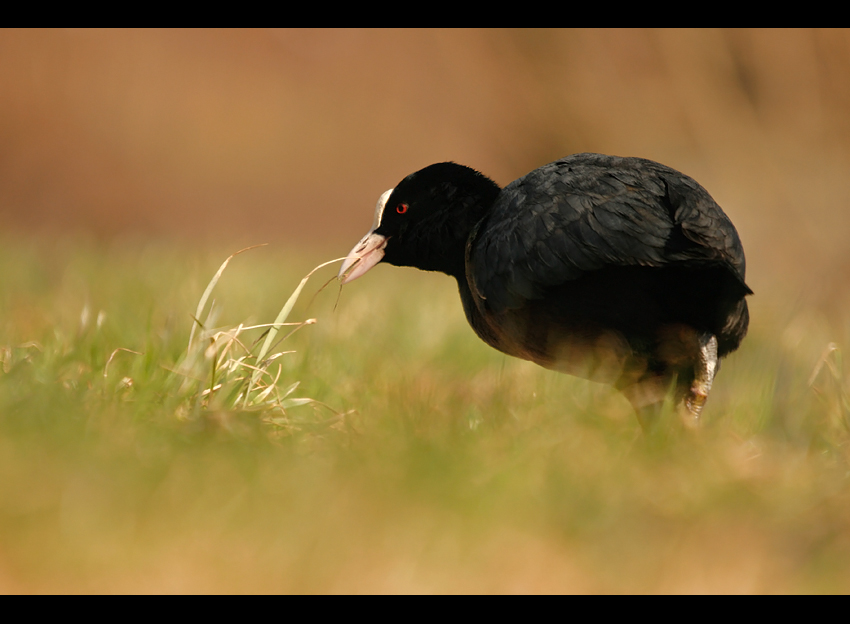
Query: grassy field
point(426, 461)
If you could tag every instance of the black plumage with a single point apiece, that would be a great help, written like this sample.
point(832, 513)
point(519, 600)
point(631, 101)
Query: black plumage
point(620, 270)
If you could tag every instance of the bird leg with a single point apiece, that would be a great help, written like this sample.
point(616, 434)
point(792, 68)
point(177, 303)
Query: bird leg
point(705, 369)
point(647, 395)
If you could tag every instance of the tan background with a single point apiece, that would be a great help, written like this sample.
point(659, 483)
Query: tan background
point(290, 136)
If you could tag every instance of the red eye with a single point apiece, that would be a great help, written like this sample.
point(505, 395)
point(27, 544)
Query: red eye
point(401, 208)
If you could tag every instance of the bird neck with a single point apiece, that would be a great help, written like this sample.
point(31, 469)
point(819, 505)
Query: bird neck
point(447, 249)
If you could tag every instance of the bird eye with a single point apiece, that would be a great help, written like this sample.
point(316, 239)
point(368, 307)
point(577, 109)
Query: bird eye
point(401, 208)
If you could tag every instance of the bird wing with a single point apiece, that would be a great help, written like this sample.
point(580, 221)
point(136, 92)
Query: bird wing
point(591, 211)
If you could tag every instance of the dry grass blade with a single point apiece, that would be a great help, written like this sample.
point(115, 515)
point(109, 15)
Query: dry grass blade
point(280, 320)
point(824, 359)
point(203, 302)
point(114, 353)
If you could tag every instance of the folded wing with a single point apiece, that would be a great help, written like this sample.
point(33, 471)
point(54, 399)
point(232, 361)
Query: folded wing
point(590, 211)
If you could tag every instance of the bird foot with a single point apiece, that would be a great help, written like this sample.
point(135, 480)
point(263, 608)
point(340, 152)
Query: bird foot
point(695, 400)
point(704, 372)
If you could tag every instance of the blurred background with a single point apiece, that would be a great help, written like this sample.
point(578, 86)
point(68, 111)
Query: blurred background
point(291, 135)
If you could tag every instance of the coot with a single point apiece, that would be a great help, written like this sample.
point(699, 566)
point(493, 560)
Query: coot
point(619, 270)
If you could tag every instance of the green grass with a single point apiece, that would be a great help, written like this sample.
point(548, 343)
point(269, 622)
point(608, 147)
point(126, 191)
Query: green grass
point(425, 462)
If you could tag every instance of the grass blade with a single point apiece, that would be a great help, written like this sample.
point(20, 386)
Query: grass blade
point(278, 322)
point(203, 302)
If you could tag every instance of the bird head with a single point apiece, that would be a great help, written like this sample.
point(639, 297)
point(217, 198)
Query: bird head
point(424, 222)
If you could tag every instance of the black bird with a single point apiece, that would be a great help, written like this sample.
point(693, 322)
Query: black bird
point(619, 270)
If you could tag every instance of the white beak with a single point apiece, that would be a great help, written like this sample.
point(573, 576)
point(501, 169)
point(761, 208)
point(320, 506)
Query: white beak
point(366, 254)
point(369, 251)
